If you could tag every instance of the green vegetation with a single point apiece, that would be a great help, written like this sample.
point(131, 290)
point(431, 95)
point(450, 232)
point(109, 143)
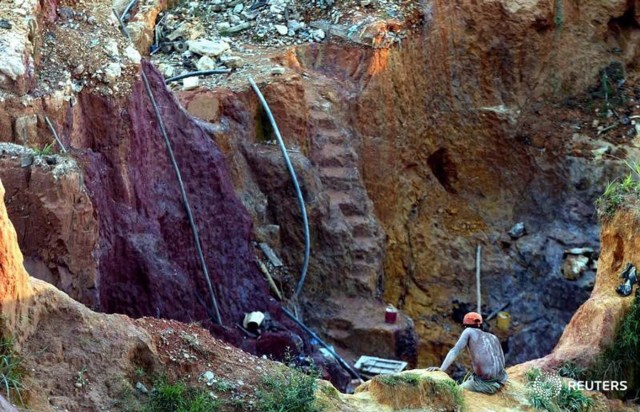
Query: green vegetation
point(10, 370)
point(437, 387)
point(553, 395)
point(572, 370)
point(81, 379)
point(618, 193)
point(400, 379)
point(44, 151)
point(450, 387)
point(620, 361)
point(287, 391)
point(179, 397)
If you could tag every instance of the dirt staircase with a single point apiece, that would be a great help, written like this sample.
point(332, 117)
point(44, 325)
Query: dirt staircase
point(334, 155)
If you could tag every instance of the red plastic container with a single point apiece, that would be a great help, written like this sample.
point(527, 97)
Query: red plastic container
point(391, 315)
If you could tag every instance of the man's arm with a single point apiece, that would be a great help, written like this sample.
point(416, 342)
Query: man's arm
point(455, 351)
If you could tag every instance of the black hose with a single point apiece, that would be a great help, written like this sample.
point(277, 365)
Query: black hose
point(305, 220)
point(194, 228)
point(199, 73)
point(311, 333)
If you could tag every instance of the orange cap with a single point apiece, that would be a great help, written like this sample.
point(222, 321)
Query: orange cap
point(472, 319)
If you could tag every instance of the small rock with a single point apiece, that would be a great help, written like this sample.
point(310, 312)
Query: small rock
point(238, 8)
point(365, 3)
point(112, 72)
point(140, 387)
point(223, 26)
point(208, 376)
point(574, 266)
point(250, 15)
point(66, 12)
point(240, 27)
point(91, 20)
point(111, 47)
point(77, 72)
point(78, 385)
point(26, 161)
point(317, 34)
point(5, 24)
point(517, 231)
point(205, 47)
point(295, 25)
point(166, 70)
point(205, 63)
point(283, 30)
point(132, 54)
point(232, 62)
point(277, 70)
point(190, 83)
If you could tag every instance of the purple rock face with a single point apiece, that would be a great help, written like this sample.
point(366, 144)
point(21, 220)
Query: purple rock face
point(147, 255)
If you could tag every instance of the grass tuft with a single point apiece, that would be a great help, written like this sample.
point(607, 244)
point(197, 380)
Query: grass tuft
point(618, 193)
point(10, 370)
point(46, 150)
point(287, 390)
point(179, 397)
point(400, 379)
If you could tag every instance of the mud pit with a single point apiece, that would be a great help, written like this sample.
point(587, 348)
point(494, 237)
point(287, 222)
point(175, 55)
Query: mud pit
point(410, 155)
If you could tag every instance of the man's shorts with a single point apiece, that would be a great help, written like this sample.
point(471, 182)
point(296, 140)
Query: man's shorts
point(490, 386)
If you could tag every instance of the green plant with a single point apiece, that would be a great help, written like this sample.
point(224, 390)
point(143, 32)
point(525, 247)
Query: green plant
point(435, 387)
point(620, 361)
point(570, 369)
point(553, 395)
point(44, 151)
point(400, 379)
point(223, 385)
point(287, 390)
point(179, 397)
point(81, 379)
point(616, 192)
point(10, 370)
point(452, 388)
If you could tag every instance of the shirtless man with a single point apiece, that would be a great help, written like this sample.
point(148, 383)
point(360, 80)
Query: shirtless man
point(486, 356)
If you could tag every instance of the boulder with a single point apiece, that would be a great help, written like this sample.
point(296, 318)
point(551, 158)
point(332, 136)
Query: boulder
point(574, 266)
point(206, 47)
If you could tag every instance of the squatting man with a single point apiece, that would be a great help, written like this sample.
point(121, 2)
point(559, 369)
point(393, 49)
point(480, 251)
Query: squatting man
point(486, 356)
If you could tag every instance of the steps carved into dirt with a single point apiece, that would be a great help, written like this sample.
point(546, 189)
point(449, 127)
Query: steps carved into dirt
point(336, 161)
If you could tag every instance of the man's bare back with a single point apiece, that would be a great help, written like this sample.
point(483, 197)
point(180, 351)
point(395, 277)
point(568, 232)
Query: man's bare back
point(486, 356)
point(486, 353)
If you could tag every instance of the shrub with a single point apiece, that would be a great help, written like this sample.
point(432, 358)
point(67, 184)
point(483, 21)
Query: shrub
point(620, 361)
point(10, 370)
point(179, 397)
point(287, 390)
point(617, 193)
